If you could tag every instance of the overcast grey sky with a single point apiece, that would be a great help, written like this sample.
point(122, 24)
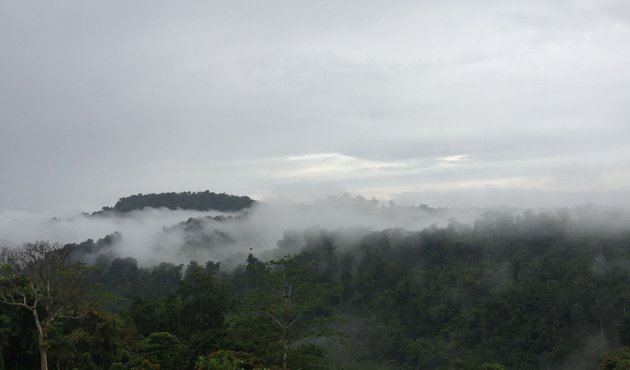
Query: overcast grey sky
point(447, 102)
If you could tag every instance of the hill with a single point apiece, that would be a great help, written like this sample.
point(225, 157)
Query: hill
point(199, 201)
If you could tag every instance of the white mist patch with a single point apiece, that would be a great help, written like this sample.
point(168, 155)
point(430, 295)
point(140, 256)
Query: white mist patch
point(265, 225)
point(17, 227)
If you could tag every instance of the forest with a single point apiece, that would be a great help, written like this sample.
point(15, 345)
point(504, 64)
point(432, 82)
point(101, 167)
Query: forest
point(511, 290)
point(201, 201)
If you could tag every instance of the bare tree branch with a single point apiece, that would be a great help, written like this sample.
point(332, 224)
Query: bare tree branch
point(274, 319)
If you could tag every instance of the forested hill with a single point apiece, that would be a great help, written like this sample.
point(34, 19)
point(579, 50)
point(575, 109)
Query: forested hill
point(199, 201)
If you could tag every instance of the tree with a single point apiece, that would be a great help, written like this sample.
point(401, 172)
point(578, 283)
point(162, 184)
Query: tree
point(227, 360)
point(41, 278)
point(615, 360)
point(292, 297)
point(165, 349)
point(203, 302)
point(202, 201)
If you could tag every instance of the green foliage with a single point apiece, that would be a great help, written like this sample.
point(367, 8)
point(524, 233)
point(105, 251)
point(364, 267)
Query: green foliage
point(490, 367)
point(201, 201)
point(533, 291)
point(307, 356)
point(165, 350)
point(256, 334)
point(284, 302)
point(94, 342)
point(227, 360)
point(616, 360)
point(147, 364)
point(41, 278)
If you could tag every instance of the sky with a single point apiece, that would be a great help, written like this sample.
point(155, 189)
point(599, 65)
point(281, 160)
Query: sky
point(448, 103)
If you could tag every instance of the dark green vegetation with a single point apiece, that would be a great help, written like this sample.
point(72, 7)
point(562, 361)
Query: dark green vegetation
point(199, 201)
point(533, 291)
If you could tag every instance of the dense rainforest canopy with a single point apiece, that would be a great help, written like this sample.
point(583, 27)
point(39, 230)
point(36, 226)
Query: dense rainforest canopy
point(547, 290)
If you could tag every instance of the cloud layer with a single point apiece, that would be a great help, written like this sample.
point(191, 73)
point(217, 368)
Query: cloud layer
point(104, 99)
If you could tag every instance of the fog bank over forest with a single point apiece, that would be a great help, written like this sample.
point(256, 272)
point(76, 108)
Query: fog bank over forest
point(154, 235)
point(409, 287)
point(440, 184)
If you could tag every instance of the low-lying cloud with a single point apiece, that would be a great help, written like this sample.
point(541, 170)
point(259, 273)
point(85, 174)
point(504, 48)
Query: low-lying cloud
point(161, 235)
point(156, 235)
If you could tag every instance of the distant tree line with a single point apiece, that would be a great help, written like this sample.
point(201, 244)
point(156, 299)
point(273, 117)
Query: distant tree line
point(198, 201)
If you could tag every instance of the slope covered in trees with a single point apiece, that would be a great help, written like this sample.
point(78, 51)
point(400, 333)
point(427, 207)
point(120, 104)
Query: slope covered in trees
point(198, 201)
point(525, 291)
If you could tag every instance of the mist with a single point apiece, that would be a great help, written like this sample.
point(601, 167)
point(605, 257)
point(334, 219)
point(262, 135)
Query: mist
point(156, 235)
point(271, 229)
point(456, 173)
point(140, 228)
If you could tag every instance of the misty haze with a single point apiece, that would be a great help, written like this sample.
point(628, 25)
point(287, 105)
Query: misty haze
point(231, 185)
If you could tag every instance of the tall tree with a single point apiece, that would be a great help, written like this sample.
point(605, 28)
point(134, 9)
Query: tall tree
point(292, 297)
point(41, 278)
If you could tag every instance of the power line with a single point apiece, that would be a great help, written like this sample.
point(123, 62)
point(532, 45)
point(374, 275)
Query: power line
point(32, 227)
